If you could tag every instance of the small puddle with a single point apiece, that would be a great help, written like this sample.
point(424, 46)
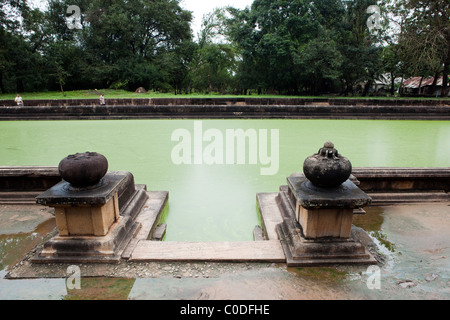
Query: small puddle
point(22, 228)
point(372, 222)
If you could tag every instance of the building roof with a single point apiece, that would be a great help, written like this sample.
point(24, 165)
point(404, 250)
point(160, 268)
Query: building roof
point(414, 82)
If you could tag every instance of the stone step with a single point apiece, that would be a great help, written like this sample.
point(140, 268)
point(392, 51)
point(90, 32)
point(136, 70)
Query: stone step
point(270, 214)
point(380, 198)
point(173, 251)
point(18, 197)
point(148, 218)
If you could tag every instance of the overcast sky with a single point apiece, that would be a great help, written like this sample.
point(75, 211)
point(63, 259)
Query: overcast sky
point(198, 8)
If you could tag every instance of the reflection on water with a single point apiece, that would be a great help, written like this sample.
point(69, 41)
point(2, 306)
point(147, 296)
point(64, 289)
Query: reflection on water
point(13, 247)
point(372, 222)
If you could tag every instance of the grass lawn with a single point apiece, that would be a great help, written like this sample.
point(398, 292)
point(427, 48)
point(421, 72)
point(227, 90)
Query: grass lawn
point(111, 93)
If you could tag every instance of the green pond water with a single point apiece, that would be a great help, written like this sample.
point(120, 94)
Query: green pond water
point(212, 183)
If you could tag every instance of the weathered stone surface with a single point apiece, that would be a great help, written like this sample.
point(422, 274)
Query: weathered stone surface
point(245, 108)
point(78, 249)
point(92, 225)
point(270, 215)
point(347, 195)
point(233, 101)
point(64, 193)
point(83, 169)
point(249, 251)
point(327, 168)
point(321, 223)
point(159, 232)
point(303, 252)
point(317, 212)
point(87, 220)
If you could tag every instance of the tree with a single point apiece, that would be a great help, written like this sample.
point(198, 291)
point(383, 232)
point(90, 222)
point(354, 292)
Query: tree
point(124, 38)
point(359, 47)
point(20, 63)
point(290, 45)
point(425, 37)
point(214, 59)
point(392, 63)
point(322, 62)
point(271, 34)
point(121, 43)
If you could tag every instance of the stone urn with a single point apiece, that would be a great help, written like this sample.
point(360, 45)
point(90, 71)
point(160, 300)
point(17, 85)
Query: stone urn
point(82, 170)
point(327, 168)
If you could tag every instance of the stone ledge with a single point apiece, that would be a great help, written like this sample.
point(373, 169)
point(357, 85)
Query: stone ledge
point(219, 101)
point(251, 251)
point(20, 185)
point(232, 111)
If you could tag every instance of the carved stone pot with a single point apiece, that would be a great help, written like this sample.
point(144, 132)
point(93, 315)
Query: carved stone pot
point(327, 168)
point(83, 169)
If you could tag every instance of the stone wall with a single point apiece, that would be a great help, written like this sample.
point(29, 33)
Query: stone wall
point(404, 185)
point(232, 102)
point(20, 185)
point(225, 108)
point(384, 185)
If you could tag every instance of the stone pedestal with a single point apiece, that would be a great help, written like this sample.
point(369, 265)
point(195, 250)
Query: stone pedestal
point(325, 212)
point(317, 223)
point(87, 220)
point(322, 223)
point(94, 223)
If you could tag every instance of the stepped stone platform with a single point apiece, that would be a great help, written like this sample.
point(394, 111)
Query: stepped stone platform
point(386, 186)
point(227, 108)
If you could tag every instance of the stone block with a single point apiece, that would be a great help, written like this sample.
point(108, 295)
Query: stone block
point(320, 223)
point(95, 224)
point(87, 220)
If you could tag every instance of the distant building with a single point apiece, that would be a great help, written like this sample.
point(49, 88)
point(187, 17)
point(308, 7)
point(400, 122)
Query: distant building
point(422, 86)
point(382, 85)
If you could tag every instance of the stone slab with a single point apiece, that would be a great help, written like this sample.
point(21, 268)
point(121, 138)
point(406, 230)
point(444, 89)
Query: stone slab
point(148, 218)
point(302, 253)
point(106, 249)
point(258, 234)
point(251, 251)
point(319, 223)
point(347, 195)
point(64, 194)
point(270, 214)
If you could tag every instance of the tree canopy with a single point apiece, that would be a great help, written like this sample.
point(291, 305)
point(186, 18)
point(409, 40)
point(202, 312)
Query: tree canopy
point(273, 46)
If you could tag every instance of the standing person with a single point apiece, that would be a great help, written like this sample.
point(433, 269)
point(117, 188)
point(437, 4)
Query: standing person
point(19, 100)
point(102, 99)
